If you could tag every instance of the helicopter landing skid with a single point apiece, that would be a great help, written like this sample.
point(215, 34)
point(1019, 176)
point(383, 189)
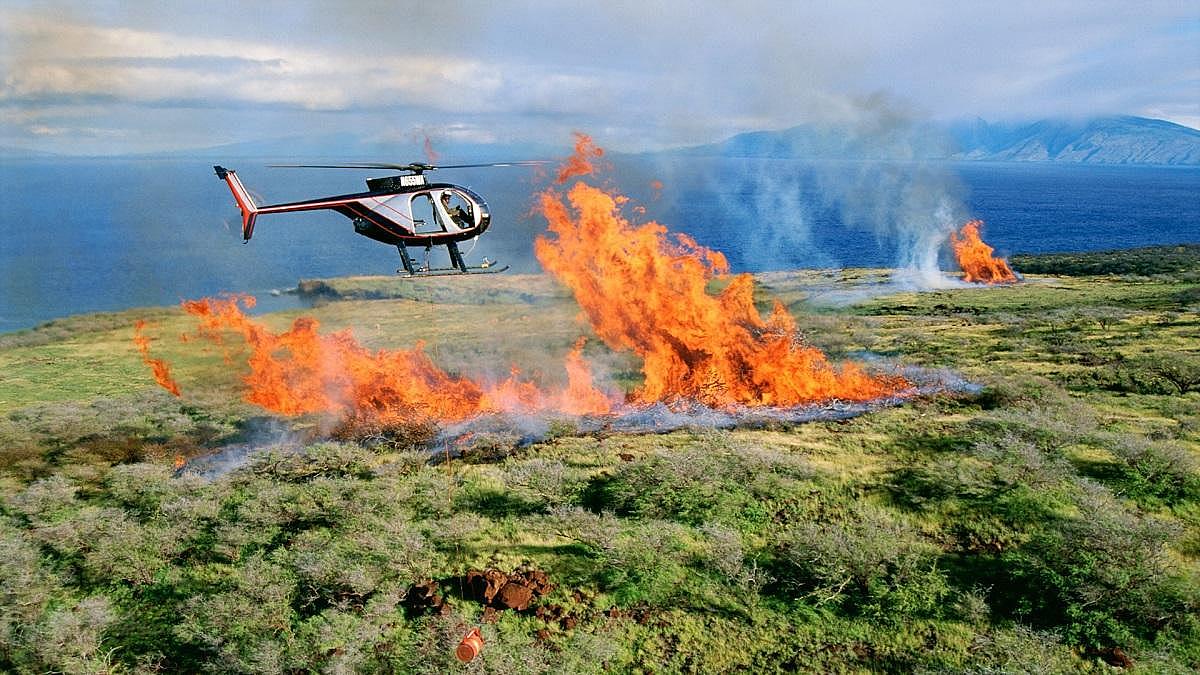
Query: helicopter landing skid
point(456, 259)
point(450, 271)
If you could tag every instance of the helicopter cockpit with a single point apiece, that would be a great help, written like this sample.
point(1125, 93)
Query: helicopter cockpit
point(442, 210)
point(456, 209)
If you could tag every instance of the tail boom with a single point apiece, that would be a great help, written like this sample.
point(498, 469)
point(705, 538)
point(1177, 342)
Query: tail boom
point(245, 203)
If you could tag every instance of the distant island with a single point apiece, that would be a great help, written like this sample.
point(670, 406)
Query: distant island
point(1101, 140)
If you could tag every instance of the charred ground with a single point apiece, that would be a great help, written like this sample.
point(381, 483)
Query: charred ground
point(1050, 522)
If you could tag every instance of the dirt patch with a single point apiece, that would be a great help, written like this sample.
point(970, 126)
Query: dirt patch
point(424, 597)
point(500, 591)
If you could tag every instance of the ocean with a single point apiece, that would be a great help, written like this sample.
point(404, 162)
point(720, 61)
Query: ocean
point(86, 235)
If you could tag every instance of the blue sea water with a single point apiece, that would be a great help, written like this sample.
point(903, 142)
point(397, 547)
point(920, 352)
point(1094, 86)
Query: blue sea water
point(84, 235)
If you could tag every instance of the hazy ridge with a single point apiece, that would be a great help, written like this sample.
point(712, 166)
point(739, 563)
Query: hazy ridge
point(1101, 140)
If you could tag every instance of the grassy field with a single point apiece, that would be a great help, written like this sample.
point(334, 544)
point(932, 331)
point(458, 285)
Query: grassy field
point(1048, 523)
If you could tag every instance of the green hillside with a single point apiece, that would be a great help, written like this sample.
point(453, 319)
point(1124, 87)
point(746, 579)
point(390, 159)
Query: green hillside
point(1047, 520)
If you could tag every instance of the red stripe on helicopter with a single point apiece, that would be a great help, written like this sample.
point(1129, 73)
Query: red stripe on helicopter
point(390, 208)
point(365, 213)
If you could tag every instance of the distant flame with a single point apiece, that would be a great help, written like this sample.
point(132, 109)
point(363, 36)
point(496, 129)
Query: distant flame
point(432, 156)
point(975, 257)
point(158, 367)
point(646, 291)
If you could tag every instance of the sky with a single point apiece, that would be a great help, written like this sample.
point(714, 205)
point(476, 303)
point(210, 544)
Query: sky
point(130, 76)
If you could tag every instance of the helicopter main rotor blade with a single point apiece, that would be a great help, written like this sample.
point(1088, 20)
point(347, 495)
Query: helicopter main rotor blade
point(370, 165)
point(528, 162)
point(407, 167)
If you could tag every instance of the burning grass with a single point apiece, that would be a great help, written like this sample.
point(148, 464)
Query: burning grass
point(645, 291)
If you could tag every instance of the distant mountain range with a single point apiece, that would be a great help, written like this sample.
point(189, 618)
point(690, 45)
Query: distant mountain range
point(23, 153)
point(1102, 140)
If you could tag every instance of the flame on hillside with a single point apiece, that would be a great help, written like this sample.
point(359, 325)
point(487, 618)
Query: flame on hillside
point(646, 291)
point(975, 257)
point(302, 370)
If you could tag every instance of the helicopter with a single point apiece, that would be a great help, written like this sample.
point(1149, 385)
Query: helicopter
point(402, 210)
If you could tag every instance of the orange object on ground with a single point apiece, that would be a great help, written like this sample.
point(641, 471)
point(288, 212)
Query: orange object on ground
point(470, 646)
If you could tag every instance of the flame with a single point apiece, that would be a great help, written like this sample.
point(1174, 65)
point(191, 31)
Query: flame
point(179, 463)
point(160, 369)
point(646, 291)
point(302, 370)
point(581, 396)
point(582, 162)
point(975, 257)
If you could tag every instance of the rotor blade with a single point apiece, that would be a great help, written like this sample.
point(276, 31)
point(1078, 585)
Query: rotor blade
point(527, 162)
point(407, 167)
point(369, 165)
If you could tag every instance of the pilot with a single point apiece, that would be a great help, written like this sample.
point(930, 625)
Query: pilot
point(456, 212)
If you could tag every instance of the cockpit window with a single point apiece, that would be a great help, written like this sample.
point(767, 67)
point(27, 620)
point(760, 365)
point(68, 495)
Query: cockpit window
point(425, 218)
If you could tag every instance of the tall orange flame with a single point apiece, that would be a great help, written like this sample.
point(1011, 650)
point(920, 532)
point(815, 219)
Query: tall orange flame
point(647, 292)
point(159, 368)
point(975, 257)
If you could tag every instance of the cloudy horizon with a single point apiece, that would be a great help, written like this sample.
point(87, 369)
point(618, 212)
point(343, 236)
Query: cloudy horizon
point(128, 77)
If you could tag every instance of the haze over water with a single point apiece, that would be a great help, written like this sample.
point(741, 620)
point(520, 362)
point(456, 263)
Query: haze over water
point(99, 235)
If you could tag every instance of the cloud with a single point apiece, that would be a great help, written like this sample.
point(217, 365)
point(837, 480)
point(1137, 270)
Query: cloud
point(50, 61)
point(647, 74)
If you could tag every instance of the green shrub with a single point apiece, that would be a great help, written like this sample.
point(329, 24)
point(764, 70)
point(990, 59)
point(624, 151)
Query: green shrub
point(709, 482)
point(71, 638)
point(27, 590)
point(1101, 574)
point(545, 481)
point(246, 623)
point(1156, 468)
point(871, 563)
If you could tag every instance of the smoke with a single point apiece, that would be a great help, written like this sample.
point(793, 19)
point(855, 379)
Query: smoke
point(911, 207)
point(260, 436)
point(817, 194)
point(490, 434)
point(774, 200)
point(496, 435)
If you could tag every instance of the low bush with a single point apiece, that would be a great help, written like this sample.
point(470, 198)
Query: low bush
point(871, 563)
point(1102, 575)
point(710, 481)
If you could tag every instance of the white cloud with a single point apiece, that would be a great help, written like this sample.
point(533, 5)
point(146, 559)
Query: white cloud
point(48, 60)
